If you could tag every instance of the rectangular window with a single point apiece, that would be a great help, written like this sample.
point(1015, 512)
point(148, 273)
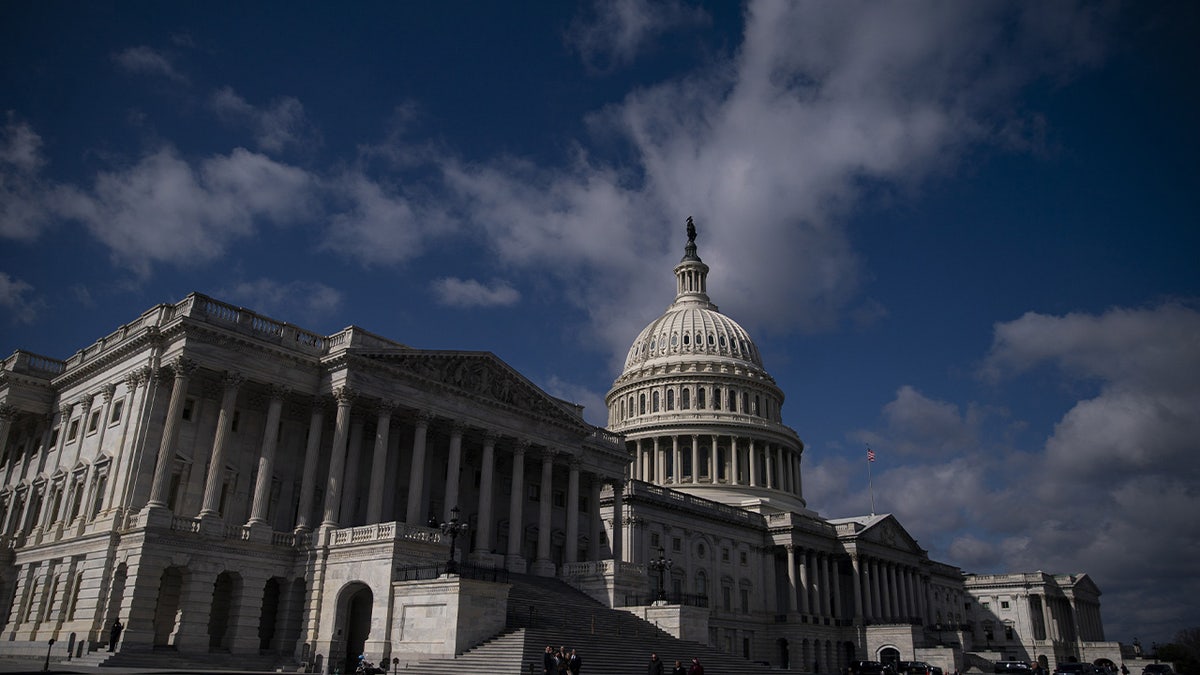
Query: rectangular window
point(654, 540)
point(676, 544)
point(237, 417)
point(535, 492)
point(560, 499)
point(724, 555)
point(585, 505)
point(54, 437)
point(1003, 604)
point(745, 601)
point(117, 410)
point(94, 421)
point(189, 409)
point(742, 557)
point(726, 598)
point(73, 430)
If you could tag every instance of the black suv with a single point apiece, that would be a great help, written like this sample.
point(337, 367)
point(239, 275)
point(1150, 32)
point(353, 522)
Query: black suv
point(1012, 668)
point(1074, 668)
point(866, 668)
point(912, 668)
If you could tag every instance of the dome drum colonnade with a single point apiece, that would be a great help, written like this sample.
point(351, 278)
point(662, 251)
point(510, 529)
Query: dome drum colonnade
point(695, 404)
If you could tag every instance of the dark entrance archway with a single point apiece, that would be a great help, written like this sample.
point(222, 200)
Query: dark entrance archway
point(785, 658)
point(170, 586)
point(354, 611)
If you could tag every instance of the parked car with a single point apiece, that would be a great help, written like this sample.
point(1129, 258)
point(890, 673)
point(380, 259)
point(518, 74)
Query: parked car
point(912, 668)
point(1075, 668)
point(1012, 668)
point(1158, 669)
point(867, 668)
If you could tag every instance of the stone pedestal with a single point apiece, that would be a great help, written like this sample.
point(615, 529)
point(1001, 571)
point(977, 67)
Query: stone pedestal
point(445, 616)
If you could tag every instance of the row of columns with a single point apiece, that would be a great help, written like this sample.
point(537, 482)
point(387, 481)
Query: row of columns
point(883, 590)
point(661, 460)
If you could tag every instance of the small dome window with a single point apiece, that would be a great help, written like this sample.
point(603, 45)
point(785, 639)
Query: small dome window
point(652, 344)
point(722, 342)
point(686, 339)
point(674, 340)
point(710, 339)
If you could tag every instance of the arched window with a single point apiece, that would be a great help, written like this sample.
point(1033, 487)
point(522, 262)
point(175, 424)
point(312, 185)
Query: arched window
point(687, 339)
point(700, 398)
point(685, 399)
point(670, 399)
point(731, 401)
point(745, 402)
point(654, 402)
point(622, 409)
point(756, 408)
point(701, 583)
point(641, 404)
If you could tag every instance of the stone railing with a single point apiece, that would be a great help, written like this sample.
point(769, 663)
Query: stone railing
point(643, 489)
point(384, 532)
point(28, 363)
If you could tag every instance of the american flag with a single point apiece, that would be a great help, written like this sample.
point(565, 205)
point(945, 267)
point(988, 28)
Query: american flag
point(870, 455)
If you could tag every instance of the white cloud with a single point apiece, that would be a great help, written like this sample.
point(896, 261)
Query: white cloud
point(165, 210)
point(145, 60)
point(379, 225)
point(23, 209)
point(307, 301)
point(471, 293)
point(615, 32)
point(1112, 490)
point(276, 127)
point(16, 298)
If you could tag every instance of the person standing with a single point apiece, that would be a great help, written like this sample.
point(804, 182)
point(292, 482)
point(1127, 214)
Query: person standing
point(696, 668)
point(679, 669)
point(655, 667)
point(549, 667)
point(114, 635)
point(574, 663)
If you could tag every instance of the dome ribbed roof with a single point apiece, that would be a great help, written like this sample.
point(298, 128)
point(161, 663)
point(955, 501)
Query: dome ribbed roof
point(692, 330)
point(692, 326)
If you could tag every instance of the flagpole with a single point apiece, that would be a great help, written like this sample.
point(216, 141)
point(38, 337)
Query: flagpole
point(870, 484)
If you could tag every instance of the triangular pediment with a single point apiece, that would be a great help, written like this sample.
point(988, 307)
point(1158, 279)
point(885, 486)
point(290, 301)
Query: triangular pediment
point(479, 375)
point(883, 530)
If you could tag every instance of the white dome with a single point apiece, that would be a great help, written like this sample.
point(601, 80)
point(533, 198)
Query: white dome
point(694, 331)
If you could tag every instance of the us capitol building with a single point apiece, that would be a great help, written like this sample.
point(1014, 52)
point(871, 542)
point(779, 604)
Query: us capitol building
point(238, 491)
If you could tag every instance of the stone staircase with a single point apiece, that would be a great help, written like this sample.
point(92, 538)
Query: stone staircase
point(166, 658)
point(545, 612)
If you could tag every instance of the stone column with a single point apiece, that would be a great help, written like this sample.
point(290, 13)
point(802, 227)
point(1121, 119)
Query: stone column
point(572, 510)
point(858, 601)
point(876, 599)
point(8, 413)
point(835, 588)
point(597, 525)
point(416, 474)
point(348, 514)
point(516, 498)
point(734, 478)
point(483, 529)
point(216, 466)
point(543, 566)
point(166, 449)
point(308, 478)
point(266, 461)
point(791, 563)
point(636, 470)
point(752, 454)
point(695, 458)
point(453, 466)
point(660, 464)
point(383, 424)
point(130, 448)
point(676, 461)
point(713, 463)
point(805, 583)
point(618, 514)
point(337, 457)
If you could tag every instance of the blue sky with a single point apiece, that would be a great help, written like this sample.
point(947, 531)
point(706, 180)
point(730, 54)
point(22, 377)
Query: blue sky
point(963, 233)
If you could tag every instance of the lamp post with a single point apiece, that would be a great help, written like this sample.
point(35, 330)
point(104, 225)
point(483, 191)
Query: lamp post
point(453, 529)
point(49, 646)
point(661, 566)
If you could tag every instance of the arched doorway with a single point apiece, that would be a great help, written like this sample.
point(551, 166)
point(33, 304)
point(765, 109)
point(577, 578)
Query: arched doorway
point(889, 656)
point(354, 612)
point(170, 586)
point(226, 590)
point(784, 655)
point(269, 614)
